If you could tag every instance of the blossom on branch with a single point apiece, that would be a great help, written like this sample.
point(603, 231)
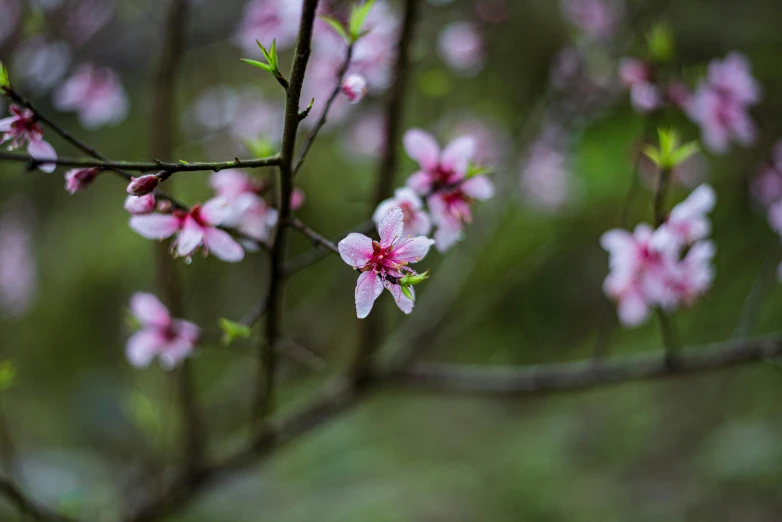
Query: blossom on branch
point(143, 185)
point(170, 340)
point(354, 88)
point(23, 129)
point(416, 220)
point(384, 263)
point(461, 46)
point(140, 204)
point(665, 267)
point(194, 228)
point(79, 179)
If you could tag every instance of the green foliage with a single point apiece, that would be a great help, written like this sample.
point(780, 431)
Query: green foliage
point(661, 43)
point(337, 26)
point(407, 292)
point(272, 62)
point(233, 330)
point(414, 279)
point(260, 148)
point(5, 81)
point(670, 153)
point(7, 375)
point(358, 16)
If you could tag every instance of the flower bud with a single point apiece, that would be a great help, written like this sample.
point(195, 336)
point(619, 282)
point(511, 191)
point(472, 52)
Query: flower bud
point(137, 205)
point(354, 88)
point(297, 199)
point(144, 185)
point(80, 179)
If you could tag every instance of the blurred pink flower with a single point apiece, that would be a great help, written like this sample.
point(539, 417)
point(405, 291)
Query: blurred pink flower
point(365, 138)
point(461, 46)
point(40, 64)
point(437, 168)
point(354, 88)
point(720, 104)
point(18, 279)
point(297, 199)
point(647, 269)
point(247, 210)
point(416, 220)
point(267, 20)
point(86, 18)
point(383, 263)
point(195, 229)
point(633, 71)
point(22, 129)
point(140, 204)
point(597, 19)
point(766, 187)
point(96, 93)
point(170, 340)
point(450, 208)
point(79, 179)
point(491, 141)
point(545, 177)
point(645, 97)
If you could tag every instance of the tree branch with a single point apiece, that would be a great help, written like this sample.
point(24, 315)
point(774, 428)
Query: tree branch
point(316, 238)
point(26, 506)
point(322, 120)
point(167, 168)
point(284, 186)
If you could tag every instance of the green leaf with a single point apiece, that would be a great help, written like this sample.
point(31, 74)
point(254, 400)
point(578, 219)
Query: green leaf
point(258, 64)
point(406, 291)
point(414, 279)
point(358, 16)
point(5, 81)
point(7, 375)
point(260, 148)
point(183, 162)
point(477, 170)
point(652, 153)
point(684, 152)
point(337, 26)
point(661, 44)
point(233, 330)
point(273, 54)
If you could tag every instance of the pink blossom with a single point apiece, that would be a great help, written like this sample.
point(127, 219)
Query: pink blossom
point(169, 339)
point(647, 269)
point(461, 46)
point(22, 129)
point(596, 18)
point(194, 228)
point(545, 175)
point(354, 88)
point(266, 20)
point(297, 199)
point(633, 71)
point(79, 179)
point(247, 210)
point(96, 93)
point(491, 140)
point(687, 221)
point(721, 103)
point(140, 204)
point(450, 209)
point(437, 169)
point(365, 138)
point(18, 277)
point(143, 185)
point(383, 263)
point(39, 63)
point(645, 97)
point(416, 220)
point(766, 187)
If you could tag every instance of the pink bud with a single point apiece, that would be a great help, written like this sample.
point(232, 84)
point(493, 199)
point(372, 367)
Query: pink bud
point(354, 88)
point(80, 179)
point(297, 199)
point(144, 185)
point(140, 204)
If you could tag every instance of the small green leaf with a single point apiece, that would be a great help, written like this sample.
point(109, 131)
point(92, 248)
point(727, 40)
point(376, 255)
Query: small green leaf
point(7, 375)
point(259, 148)
point(358, 16)
point(233, 330)
point(5, 81)
point(477, 170)
point(273, 54)
point(660, 42)
point(685, 152)
point(652, 153)
point(258, 64)
point(183, 162)
point(414, 279)
point(406, 291)
point(337, 26)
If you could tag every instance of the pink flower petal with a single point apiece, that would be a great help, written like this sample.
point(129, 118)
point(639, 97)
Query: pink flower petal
point(421, 182)
point(479, 187)
point(422, 148)
point(448, 234)
point(402, 301)
point(189, 238)
point(355, 249)
point(149, 310)
point(5, 123)
point(155, 226)
point(216, 211)
point(222, 245)
point(457, 154)
point(368, 288)
point(142, 347)
point(42, 150)
point(390, 226)
point(413, 250)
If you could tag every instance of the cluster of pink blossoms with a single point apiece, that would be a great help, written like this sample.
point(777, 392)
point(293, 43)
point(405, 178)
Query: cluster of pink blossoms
point(767, 190)
point(665, 267)
point(170, 340)
point(23, 130)
point(96, 94)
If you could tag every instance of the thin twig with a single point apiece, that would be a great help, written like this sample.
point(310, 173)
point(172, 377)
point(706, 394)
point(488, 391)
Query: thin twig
point(312, 235)
point(152, 166)
point(322, 120)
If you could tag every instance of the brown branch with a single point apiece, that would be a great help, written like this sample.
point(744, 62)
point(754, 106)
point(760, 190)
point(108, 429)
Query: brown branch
point(284, 187)
point(162, 133)
point(26, 506)
point(587, 373)
point(316, 238)
point(322, 120)
point(166, 168)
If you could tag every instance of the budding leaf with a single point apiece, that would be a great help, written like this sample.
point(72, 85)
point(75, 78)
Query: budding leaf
point(660, 43)
point(260, 148)
point(476, 170)
point(414, 279)
point(652, 153)
point(5, 81)
point(7, 375)
point(337, 26)
point(260, 65)
point(358, 16)
point(406, 291)
point(233, 330)
point(684, 152)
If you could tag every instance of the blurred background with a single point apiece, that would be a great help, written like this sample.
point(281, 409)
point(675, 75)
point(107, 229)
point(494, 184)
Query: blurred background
point(537, 83)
